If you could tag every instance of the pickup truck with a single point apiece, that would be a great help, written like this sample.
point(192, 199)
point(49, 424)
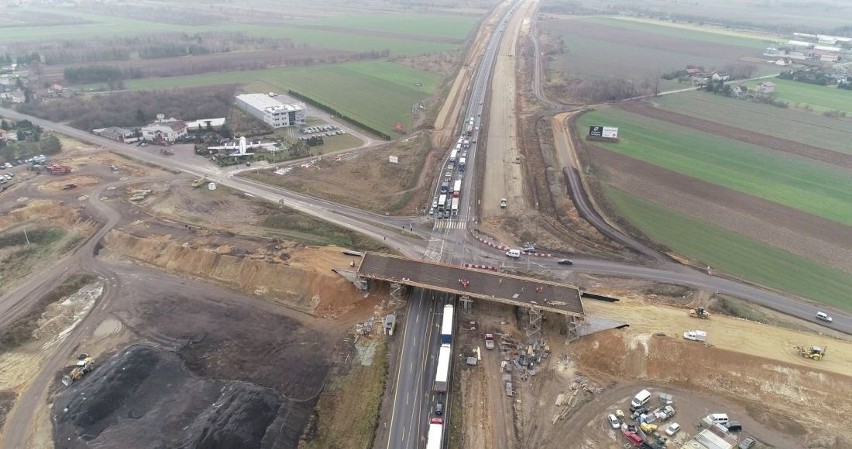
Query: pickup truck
point(489, 341)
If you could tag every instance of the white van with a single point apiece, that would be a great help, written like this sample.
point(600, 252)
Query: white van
point(514, 253)
point(718, 418)
point(640, 399)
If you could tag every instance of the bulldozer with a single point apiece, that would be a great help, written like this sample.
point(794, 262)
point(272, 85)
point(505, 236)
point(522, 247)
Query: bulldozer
point(84, 365)
point(699, 312)
point(813, 352)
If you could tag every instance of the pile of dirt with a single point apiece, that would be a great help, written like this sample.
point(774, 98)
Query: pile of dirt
point(145, 397)
point(58, 184)
point(301, 282)
point(43, 211)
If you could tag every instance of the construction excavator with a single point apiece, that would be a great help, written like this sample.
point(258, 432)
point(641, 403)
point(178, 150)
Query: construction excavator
point(699, 312)
point(813, 352)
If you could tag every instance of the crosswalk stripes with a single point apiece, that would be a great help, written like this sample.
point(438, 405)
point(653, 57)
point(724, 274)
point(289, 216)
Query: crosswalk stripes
point(450, 224)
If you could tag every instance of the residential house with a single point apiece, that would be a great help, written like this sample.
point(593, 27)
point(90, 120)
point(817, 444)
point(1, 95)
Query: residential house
point(15, 96)
point(766, 87)
point(164, 131)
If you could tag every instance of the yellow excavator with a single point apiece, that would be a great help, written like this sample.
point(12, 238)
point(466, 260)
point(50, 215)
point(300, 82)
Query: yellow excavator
point(813, 352)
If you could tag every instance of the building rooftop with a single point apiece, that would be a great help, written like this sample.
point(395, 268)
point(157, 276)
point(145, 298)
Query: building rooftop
point(267, 103)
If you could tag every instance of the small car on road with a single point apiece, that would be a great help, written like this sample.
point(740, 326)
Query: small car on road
point(824, 316)
point(565, 262)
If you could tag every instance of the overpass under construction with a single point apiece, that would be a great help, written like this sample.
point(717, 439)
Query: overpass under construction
point(534, 294)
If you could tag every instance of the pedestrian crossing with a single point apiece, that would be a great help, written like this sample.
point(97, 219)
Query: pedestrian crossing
point(450, 224)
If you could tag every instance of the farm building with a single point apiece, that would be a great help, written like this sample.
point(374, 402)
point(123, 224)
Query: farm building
point(766, 87)
point(205, 123)
point(116, 133)
point(272, 111)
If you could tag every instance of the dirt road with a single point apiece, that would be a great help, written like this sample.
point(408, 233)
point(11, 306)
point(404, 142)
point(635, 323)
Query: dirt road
point(503, 177)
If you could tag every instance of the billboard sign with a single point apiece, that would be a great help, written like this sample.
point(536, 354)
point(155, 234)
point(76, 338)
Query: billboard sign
point(610, 132)
point(596, 131)
point(606, 132)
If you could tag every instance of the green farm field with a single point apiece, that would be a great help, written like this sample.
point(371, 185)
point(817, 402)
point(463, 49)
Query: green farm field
point(820, 98)
point(809, 186)
point(684, 32)
point(440, 26)
point(378, 93)
point(430, 35)
point(791, 124)
point(733, 253)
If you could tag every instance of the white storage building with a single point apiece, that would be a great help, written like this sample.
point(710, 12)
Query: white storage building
point(272, 111)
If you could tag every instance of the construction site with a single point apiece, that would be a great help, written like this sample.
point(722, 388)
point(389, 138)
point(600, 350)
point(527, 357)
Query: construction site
point(207, 317)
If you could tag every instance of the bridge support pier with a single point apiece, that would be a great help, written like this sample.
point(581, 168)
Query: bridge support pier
point(397, 292)
point(362, 284)
point(534, 328)
point(572, 325)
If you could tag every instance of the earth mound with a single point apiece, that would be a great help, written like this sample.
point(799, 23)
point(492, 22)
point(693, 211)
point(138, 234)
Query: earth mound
point(144, 397)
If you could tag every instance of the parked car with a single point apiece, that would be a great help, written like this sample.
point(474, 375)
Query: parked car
point(734, 426)
point(824, 316)
point(672, 429)
point(747, 443)
point(565, 262)
point(613, 421)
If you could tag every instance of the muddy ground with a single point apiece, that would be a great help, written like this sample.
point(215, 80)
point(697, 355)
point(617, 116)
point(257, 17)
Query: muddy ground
point(750, 371)
point(203, 336)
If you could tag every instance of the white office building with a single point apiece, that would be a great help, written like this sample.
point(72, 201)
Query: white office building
point(272, 111)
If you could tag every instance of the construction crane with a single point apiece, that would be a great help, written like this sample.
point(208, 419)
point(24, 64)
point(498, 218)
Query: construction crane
point(813, 352)
point(699, 312)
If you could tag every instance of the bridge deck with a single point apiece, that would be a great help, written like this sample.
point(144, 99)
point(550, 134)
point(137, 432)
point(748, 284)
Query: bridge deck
point(487, 285)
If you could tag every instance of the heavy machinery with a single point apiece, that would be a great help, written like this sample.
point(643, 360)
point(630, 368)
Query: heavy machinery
point(84, 365)
point(198, 181)
point(813, 352)
point(699, 312)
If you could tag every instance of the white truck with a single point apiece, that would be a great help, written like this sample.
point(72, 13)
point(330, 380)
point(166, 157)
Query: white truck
point(489, 341)
point(695, 335)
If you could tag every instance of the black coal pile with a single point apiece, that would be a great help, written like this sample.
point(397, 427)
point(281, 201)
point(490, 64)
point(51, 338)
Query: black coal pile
point(144, 397)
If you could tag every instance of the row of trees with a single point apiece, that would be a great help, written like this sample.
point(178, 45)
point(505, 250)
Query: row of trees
point(147, 46)
point(92, 74)
point(135, 109)
point(31, 141)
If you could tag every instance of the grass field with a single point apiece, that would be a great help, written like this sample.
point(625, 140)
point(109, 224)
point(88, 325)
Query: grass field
point(796, 125)
point(735, 254)
point(379, 93)
point(443, 26)
point(683, 32)
point(600, 47)
point(803, 184)
point(820, 98)
point(430, 26)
